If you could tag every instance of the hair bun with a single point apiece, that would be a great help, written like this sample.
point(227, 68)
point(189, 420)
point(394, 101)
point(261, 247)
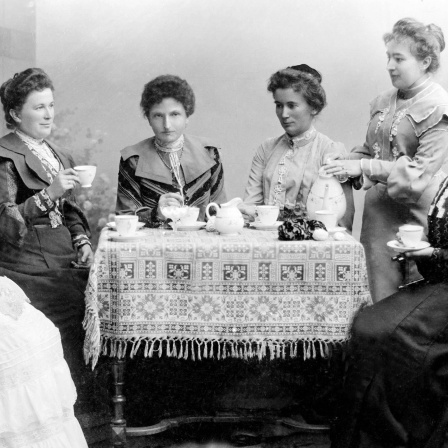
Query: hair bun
point(304, 68)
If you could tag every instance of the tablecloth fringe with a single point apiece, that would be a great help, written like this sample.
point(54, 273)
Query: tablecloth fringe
point(200, 348)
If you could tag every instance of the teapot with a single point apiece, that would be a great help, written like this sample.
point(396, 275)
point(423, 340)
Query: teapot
point(228, 219)
point(326, 194)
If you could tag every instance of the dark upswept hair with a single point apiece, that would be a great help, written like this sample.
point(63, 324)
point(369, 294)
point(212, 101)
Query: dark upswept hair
point(302, 79)
point(426, 40)
point(167, 86)
point(14, 91)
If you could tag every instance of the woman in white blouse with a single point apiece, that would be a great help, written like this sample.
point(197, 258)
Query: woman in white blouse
point(284, 168)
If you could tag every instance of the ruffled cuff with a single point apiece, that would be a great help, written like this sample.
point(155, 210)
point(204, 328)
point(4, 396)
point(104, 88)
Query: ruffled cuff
point(43, 201)
point(80, 240)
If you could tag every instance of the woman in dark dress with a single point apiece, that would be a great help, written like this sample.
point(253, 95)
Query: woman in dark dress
point(43, 233)
point(396, 386)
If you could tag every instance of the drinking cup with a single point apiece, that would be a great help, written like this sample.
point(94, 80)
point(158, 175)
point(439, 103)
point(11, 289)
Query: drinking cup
point(410, 234)
point(267, 214)
point(86, 174)
point(190, 217)
point(126, 225)
point(327, 217)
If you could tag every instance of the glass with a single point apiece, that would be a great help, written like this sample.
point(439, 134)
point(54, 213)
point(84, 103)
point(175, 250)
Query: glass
point(175, 213)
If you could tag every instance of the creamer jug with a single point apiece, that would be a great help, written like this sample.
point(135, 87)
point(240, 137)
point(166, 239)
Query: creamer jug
point(228, 219)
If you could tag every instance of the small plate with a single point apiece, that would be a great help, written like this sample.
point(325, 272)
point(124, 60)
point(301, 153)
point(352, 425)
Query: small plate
point(185, 227)
point(113, 226)
point(260, 226)
point(398, 247)
point(134, 237)
point(336, 229)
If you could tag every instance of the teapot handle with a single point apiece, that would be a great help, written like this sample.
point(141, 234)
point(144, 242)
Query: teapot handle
point(212, 204)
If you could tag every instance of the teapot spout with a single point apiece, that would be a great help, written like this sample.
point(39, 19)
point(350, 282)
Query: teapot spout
point(232, 203)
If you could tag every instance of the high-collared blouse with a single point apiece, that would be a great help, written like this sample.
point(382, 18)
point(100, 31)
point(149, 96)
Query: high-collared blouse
point(143, 177)
point(406, 143)
point(300, 169)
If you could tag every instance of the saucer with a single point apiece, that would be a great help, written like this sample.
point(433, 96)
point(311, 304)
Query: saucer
point(335, 229)
point(185, 227)
point(122, 238)
point(260, 226)
point(113, 226)
point(398, 247)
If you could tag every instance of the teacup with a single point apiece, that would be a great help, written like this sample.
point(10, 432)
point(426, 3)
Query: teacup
point(410, 234)
point(126, 225)
point(86, 174)
point(327, 217)
point(267, 214)
point(190, 217)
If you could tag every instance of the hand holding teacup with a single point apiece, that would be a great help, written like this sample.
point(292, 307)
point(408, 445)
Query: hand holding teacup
point(63, 181)
point(86, 174)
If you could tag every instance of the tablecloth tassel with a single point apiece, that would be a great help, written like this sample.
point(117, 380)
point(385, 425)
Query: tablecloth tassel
point(212, 343)
point(113, 348)
point(313, 346)
point(198, 345)
point(327, 349)
point(181, 349)
point(224, 350)
point(205, 353)
point(304, 350)
point(120, 350)
point(308, 350)
point(174, 351)
point(168, 348)
point(186, 349)
point(151, 349)
point(145, 353)
point(135, 347)
point(104, 343)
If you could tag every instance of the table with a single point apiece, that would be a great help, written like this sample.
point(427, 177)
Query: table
point(198, 294)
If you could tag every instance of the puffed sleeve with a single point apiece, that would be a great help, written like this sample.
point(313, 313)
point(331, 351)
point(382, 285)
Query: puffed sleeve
point(407, 178)
point(14, 217)
point(254, 187)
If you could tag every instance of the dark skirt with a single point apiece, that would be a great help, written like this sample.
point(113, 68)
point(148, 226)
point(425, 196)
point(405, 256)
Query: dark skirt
point(41, 267)
point(396, 385)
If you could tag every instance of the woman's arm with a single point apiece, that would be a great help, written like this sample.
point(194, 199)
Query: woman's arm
point(254, 187)
point(217, 190)
point(15, 217)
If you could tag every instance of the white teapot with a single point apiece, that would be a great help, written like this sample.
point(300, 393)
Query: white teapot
point(228, 219)
point(326, 194)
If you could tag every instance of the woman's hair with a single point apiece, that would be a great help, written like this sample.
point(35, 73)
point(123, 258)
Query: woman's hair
point(167, 86)
point(15, 91)
point(302, 79)
point(426, 40)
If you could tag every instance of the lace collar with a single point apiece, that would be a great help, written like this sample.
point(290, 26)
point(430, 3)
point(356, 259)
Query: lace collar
point(169, 147)
point(302, 139)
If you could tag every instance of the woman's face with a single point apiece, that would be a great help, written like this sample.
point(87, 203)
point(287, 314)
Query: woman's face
point(403, 67)
point(36, 116)
point(168, 120)
point(293, 112)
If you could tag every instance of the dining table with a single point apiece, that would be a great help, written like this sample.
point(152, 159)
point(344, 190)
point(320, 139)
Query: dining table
point(197, 295)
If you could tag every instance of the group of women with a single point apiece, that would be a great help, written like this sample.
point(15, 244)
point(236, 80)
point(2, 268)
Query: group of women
point(396, 383)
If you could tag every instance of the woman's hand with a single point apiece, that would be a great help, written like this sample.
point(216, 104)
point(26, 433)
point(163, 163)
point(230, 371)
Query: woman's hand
point(85, 256)
point(419, 254)
point(169, 200)
point(65, 180)
point(248, 211)
point(350, 168)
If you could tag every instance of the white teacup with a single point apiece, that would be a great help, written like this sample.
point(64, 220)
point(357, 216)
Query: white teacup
point(410, 234)
point(126, 225)
point(327, 217)
point(267, 214)
point(86, 174)
point(191, 216)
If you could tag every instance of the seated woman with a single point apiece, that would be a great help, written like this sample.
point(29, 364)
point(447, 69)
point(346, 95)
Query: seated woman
point(36, 390)
point(284, 168)
point(396, 387)
point(171, 168)
point(42, 230)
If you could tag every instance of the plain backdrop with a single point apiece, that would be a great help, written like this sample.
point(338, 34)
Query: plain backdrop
point(100, 53)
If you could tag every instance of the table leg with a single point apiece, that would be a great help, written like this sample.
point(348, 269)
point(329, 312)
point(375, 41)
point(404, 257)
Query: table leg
point(118, 423)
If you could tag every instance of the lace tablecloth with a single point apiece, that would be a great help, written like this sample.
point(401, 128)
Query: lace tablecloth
point(198, 294)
